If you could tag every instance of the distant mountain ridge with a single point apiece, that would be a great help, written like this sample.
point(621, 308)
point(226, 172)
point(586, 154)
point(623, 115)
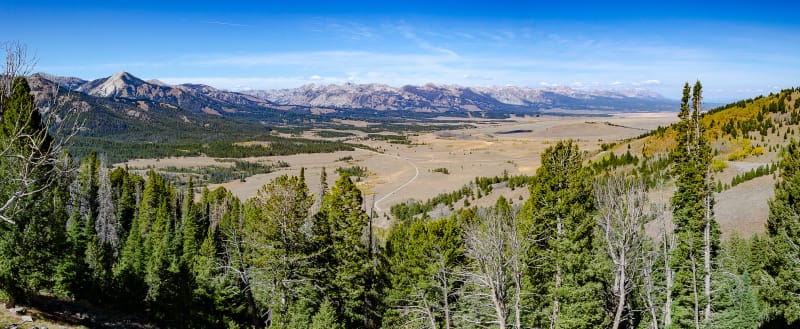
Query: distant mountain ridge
point(355, 98)
point(441, 98)
point(191, 97)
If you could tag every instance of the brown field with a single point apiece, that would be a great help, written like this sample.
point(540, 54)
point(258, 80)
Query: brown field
point(405, 172)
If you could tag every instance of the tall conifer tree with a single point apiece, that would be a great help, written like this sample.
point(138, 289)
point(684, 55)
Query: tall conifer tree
point(565, 285)
point(782, 292)
point(695, 227)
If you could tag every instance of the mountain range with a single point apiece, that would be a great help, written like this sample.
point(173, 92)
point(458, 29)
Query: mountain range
point(444, 98)
point(352, 98)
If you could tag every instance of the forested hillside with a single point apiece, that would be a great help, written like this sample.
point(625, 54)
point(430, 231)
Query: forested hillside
point(574, 255)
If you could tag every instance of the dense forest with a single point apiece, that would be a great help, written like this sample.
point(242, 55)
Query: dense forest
point(574, 254)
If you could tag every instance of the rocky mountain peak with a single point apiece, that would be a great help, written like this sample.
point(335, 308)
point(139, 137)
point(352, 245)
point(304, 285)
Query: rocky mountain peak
point(121, 84)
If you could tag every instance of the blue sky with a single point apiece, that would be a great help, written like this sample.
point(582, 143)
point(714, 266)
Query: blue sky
point(737, 49)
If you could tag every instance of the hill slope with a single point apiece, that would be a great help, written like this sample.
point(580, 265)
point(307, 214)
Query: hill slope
point(746, 135)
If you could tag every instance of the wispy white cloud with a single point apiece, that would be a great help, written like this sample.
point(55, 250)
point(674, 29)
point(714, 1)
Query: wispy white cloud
point(409, 33)
point(499, 55)
point(245, 83)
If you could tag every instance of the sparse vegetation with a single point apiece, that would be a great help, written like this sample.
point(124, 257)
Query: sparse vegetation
point(393, 139)
point(333, 134)
point(743, 149)
point(353, 171)
point(753, 173)
point(718, 165)
point(218, 174)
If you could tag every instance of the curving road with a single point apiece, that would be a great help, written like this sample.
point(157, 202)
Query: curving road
point(416, 174)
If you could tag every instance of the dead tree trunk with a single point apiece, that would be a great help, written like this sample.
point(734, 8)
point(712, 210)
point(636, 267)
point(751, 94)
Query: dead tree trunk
point(695, 293)
point(707, 250)
point(621, 217)
point(487, 246)
point(668, 246)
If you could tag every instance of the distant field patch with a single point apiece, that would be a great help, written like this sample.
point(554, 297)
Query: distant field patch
point(515, 131)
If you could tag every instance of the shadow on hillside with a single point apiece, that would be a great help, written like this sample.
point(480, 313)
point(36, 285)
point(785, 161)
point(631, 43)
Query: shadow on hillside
point(79, 313)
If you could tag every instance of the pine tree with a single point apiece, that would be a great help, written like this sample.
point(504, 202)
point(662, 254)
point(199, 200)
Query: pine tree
point(325, 317)
point(158, 260)
point(24, 148)
point(782, 292)
point(124, 184)
point(736, 302)
point(137, 273)
point(275, 231)
point(696, 229)
point(346, 259)
point(192, 229)
point(34, 251)
point(19, 111)
point(565, 288)
point(30, 159)
point(424, 258)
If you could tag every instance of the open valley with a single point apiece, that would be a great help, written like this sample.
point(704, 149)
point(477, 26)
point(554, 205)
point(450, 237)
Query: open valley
point(399, 165)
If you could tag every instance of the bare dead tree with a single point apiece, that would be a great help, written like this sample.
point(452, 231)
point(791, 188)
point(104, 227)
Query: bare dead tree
point(17, 63)
point(487, 245)
point(693, 266)
point(666, 242)
point(621, 217)
point(649, 287)
point(518, 247)
point(33, 160)
point(106, 224)
point(444, 276)
point(418, 312)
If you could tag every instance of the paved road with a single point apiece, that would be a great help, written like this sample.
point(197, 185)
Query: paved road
point(416, 174)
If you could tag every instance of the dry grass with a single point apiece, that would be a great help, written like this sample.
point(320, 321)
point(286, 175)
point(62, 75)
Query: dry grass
point(466, 153)
point(485, 151)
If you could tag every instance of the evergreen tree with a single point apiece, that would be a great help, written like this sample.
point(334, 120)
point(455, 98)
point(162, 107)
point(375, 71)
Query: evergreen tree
point(158, 260)
point(138, 273)
point(275, 231)
point(424, 260)
point(782, 290)
point(19, 113)
point(565, 289)
point(24, 148)
point(34, 250)
point(695, 227)
point(192, 229)
point(325, 318)
point(736, 303)
point(125, 186)
point(33, 242)
point(346, 259)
